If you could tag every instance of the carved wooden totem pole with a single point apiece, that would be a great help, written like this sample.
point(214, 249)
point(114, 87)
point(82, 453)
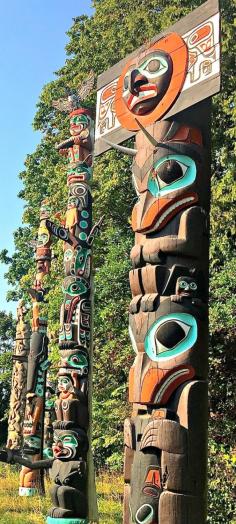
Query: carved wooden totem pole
point(19, 379)
point(73, 491)
point(70, 462)
point(32, 480)
point(161, 94)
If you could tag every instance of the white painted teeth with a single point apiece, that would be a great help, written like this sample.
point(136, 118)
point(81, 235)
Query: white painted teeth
point(142, 94)
point(171, 208)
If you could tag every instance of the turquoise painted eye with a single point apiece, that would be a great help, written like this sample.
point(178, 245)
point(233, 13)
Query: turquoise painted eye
point(183, 284)
point(77, 360)
point(77, 287)
point(170, 336)
point(69, 440)
point(171, 173)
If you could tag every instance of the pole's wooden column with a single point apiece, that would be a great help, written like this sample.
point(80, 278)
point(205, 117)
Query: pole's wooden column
point(19, 379)
point(73, 491)
point(31, 481)
point(166, 436)
point(161, 94)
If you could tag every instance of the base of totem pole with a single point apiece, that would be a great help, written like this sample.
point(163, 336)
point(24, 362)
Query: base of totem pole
point(51, 520)
point(28, 492)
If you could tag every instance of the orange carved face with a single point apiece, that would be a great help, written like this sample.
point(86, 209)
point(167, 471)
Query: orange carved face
point(150, 83)
point(145, 85)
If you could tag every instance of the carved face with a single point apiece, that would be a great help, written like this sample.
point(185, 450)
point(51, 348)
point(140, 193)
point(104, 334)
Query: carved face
point(187, 286)
point(77, 262)
point(44, 210)
point(43, 236)
point(69, 444)
point(80, 173)
point(72, 202)
point(65, 444)
point(145, 85)
point(79, 124)
point(150, 82)
point(75, 359)
point(65, 384)
point(32, 444)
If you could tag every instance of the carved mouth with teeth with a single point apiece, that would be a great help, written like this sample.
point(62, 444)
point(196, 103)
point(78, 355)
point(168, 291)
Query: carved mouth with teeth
point(145, 92)
point(161, 212)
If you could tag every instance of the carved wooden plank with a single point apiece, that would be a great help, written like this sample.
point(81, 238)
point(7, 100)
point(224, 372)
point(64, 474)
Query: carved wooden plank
point(198, 16)
point(202, 75)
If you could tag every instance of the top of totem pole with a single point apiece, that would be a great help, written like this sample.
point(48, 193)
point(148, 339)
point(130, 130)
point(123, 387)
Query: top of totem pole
point(72, 102)
point(175, 70)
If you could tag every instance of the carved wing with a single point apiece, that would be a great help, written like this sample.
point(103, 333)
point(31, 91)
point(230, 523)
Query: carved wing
point(63, 104)
point(87, 86)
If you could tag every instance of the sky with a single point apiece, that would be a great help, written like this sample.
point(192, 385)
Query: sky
point(32, 46)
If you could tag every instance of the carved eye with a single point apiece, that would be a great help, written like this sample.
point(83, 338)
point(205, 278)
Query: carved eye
point(183, 284)
point(74, 287)
point(75, 359)
point(170, 336)
point(66, 440)
point(193, 286)
point(170, 171)
point(153, 66)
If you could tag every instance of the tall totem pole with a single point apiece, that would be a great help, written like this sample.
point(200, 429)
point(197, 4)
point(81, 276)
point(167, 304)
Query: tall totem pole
point(19, 379)
point(70, 461)
point(32, 480)
point(161, 93)
point(73, 492)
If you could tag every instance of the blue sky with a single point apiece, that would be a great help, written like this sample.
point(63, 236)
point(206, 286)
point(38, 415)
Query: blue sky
point(32, 47)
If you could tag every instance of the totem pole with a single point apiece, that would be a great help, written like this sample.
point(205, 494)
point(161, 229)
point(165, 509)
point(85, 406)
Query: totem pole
point(71, 466)
point(19, 378)
point(32, 480)
point(73, 492)
point(161, 94)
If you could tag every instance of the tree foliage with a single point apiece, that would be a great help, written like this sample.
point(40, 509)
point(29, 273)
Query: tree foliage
point(97, 42)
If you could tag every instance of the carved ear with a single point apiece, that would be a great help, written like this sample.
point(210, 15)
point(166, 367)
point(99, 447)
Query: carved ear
point(126, 150)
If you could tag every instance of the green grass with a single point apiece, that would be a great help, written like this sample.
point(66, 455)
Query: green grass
point(32, 510)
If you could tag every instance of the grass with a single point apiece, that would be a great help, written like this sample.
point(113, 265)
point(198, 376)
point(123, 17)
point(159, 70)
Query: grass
point(32, 510)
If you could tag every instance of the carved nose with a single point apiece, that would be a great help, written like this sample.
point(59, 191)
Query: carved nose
point(137, 80)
